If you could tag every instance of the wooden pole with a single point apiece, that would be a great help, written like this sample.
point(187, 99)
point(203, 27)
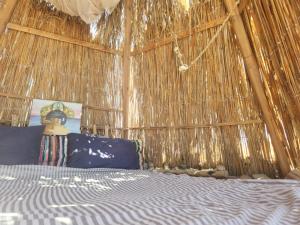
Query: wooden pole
point(106, 131)
point(94, 129)
point(257, 85)
point(5, 13)
point(126, 65)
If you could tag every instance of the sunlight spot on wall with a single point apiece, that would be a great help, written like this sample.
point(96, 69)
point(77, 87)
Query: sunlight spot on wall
point(186, 4)
point(94, 30)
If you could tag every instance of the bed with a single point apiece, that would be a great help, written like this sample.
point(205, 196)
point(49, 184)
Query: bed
point(38, 195)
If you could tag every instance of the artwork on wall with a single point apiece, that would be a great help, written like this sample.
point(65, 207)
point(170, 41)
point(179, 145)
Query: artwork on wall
point(60, 118)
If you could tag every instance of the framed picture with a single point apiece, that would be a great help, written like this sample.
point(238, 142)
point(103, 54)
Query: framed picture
point(60, 118)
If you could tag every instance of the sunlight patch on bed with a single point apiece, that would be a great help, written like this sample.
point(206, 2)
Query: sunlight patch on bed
point(120, 179)
point(71, 205)
point(45, 178)
point(128, 178)
point(10, 218)
point(7, 178)
point(64, 220)
point(78, 182)
point(92, 181)
point(77, 179)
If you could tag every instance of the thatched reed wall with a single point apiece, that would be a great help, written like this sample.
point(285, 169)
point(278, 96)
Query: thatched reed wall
point(32, 66)
point(274, 28)
point(207, 115)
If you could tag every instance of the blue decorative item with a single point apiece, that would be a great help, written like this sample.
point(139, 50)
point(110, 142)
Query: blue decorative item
point(100, 152)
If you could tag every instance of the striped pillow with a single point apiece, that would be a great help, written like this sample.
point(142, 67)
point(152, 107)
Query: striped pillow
point(53, 151)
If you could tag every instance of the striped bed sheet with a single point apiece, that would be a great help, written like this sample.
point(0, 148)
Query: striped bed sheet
point(43, 195)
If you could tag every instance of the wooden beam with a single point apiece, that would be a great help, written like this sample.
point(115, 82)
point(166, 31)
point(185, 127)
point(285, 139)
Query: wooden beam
point(6, 12)
point(13, 96)
point(126, 65)
point(97, 108)
point(100, 127)
point(257, 85)
point(180, 35)
point(61, 38)
point(191, 126)
point(8, 95)
point(198, 126)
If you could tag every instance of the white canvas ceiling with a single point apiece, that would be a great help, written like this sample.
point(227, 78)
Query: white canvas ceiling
point(88, 10)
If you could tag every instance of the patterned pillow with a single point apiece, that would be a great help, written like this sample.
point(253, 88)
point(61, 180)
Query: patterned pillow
point(20, 145)
point(53, 151)
point(140, 151)
point(86, 151)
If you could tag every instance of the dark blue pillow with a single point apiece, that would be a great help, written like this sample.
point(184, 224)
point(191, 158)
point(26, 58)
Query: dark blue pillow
point(86, 151)
point(20, 145)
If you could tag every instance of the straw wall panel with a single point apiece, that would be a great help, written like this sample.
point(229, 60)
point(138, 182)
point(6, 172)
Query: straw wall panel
point(38, 67)
point(214, 91)
point(274, 28)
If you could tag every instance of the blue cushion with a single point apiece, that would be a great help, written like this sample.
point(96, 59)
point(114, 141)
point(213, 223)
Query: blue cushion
point(100, 152)
point(20, 145)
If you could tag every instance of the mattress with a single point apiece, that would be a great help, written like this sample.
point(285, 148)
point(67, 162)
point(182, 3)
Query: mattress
point(41, 195)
